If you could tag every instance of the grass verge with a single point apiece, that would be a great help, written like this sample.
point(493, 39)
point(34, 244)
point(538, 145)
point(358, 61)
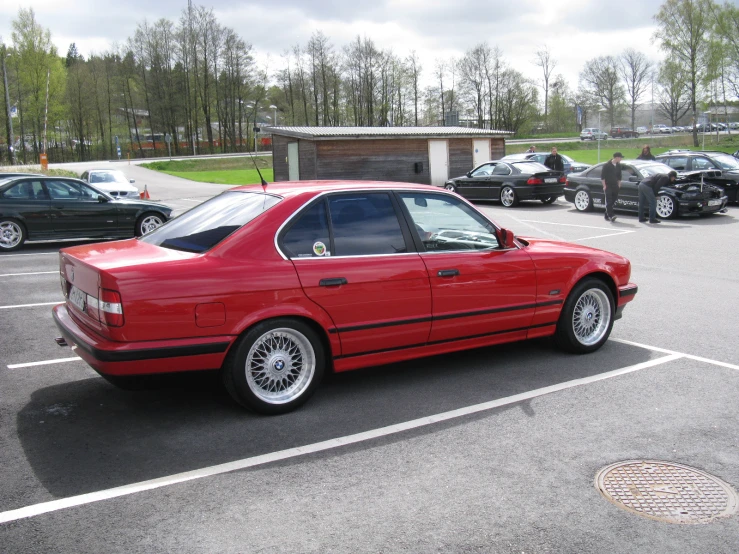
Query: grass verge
point(228, 177)
point(37, 169)
point(222, 171)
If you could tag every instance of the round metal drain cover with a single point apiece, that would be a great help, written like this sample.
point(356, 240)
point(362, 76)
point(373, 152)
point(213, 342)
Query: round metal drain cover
point(667, 492)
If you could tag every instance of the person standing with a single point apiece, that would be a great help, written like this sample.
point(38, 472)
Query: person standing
point(554, 161)
point(611, 179)
point(531, 150)
point(646, 154)
point(648, 189)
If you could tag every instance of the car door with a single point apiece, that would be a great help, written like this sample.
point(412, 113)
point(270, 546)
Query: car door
point(478, 288)
point(27, 201)
point(628, 194)
point(78, 210)
point(592, 179)
point(357, 261)
point(476, 186)
point(501, 176)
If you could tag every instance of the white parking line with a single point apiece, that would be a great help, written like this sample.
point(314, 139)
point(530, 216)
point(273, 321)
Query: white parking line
point(31, 305)
point(44, 362)
point(36, 254)
point(35, 273)
point(82, 499)
point(537, 229)
point(613, 232)
point(566, 224)
point(191, 200)
point(665, 351)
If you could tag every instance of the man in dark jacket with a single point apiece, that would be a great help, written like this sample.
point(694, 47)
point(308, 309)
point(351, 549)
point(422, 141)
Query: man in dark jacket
point(554, 161)
point(648, 189)
point(611, 179)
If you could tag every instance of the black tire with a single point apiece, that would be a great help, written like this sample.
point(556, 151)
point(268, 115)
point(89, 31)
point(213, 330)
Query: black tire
point(148, 222)
point(548, 200)
point(667, 207)
point(586, 319)
point(450, 187)
point(583, 201)
point(12, 234)
point(508, 197)
point(272, 345)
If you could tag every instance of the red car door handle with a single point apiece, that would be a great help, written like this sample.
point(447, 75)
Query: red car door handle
point(448, 272)
point(335, 282)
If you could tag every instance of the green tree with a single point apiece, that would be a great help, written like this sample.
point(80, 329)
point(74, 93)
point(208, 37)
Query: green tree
point(683, 33)
point(41, 66)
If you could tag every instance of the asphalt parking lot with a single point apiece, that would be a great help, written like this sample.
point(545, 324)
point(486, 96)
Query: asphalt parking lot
point(491, 450)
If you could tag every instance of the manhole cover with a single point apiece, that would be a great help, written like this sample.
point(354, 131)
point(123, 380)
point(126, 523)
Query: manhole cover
point(667, 492)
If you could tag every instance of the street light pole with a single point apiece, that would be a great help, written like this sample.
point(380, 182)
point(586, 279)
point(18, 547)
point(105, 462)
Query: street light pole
point(599, 132)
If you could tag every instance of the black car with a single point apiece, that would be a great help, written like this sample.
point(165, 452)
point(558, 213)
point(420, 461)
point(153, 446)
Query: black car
point(55, 208)
point(570, 165)
point(509, 182)
point(688, 162)
point(689, 194)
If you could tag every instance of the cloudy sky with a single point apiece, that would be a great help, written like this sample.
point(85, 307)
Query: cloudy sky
point(573, 30)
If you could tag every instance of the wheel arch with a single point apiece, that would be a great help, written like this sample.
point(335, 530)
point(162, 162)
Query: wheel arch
point(606, 279)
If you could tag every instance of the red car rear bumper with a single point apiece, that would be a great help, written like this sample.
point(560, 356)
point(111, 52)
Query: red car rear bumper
point(140, 358)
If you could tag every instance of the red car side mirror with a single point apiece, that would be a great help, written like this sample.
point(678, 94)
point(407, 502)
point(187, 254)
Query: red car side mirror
point(506, 238)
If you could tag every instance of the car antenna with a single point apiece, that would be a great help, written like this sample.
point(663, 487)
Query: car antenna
point(264, 183)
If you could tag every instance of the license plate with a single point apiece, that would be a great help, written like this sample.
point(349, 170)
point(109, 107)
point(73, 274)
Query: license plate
point(714, 202)
point(77, 297)
point(551, 180)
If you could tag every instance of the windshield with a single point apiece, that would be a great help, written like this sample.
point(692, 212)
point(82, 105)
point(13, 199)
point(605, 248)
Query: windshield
point(654, 169)
point(204, 226)
point(726, 161)
point(107, 177)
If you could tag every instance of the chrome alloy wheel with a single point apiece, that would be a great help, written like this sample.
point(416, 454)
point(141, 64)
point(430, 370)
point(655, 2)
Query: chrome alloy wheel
point(280, 366)
point(507, 197)
point(450, 187)
point(11, 235)
point(582, 201)
point(665, 206)
point(591, 316)
point(149, 223)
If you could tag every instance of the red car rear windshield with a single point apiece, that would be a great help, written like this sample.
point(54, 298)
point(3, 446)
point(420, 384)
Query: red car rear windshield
point(204, 226)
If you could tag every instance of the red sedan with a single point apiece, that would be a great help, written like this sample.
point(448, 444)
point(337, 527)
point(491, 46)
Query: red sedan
point(272, 286)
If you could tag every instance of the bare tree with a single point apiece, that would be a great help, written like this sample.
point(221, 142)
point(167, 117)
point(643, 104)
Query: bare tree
point(635, 70)
point(547, 63)
point(415, 73)
point(601, 78)
point(674, 97)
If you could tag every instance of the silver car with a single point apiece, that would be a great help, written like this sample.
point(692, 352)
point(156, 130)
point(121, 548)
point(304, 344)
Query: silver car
point(593, 133)
point(112, 181)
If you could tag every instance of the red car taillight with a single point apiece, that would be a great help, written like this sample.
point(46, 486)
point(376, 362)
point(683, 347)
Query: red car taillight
point(111, 308)
point(534, 181)
point(563, 179)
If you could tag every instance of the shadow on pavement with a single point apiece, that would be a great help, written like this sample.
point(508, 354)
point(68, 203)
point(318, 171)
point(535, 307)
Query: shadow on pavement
point(88, 435)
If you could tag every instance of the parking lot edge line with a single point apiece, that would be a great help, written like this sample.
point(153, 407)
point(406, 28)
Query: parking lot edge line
point(31, 305)
point(44, 362)
point(36, 273)
point(683, 354)
point(245, 463)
